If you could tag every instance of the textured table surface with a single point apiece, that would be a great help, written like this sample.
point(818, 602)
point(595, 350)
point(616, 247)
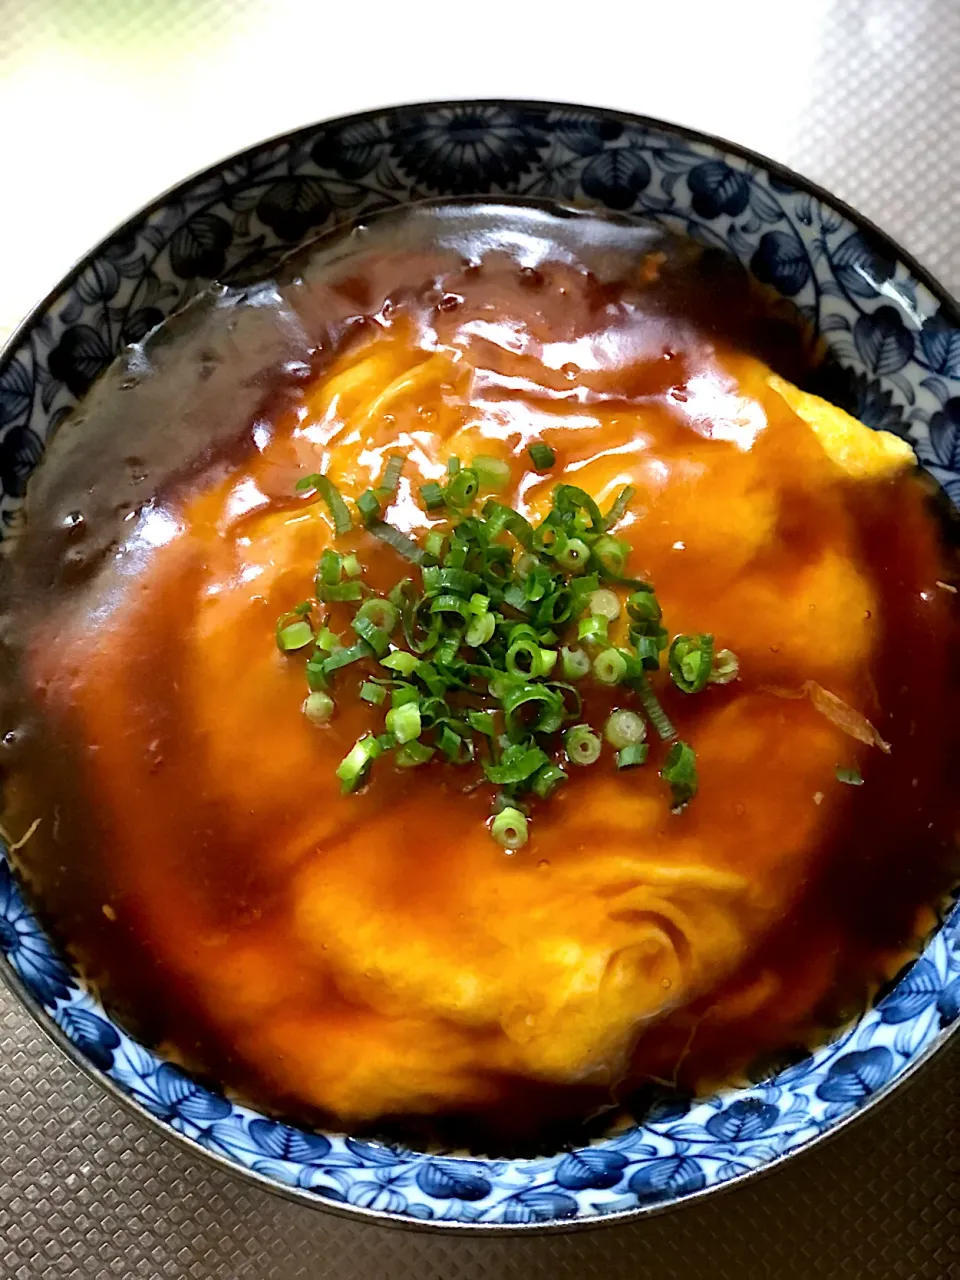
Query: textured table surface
point(106, 103)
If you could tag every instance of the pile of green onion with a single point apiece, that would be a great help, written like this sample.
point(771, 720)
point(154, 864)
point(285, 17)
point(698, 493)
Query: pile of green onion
point(478, 657)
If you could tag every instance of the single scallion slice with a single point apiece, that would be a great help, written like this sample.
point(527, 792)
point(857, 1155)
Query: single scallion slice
point(604, 604)
point(575, 556)
point(680, 772)
point(352, 566)
point(375, 694)
point(618, 510)
point(376, 637)
point(575, 663)
point(329, 640)
point(629, 757)
point(293, 635)
point(318, 707)
point(624, 729)
point(690, 661)
point(547, 780)
point(368, 504)
point(726, 667)
point(404, 722)
point(509, 828)
point(391, 474)
point(401, 543)
point(382, 613)
point(411, 754)
point(433, 495)
point(328, 491)
point(353, 767)
point(400, 661)
point(463, 488)
point(654, 711)
point(611, 554)
point(480, 630)
point(610, 666)
point(434, 544)
point(581, 745)
point(541, 455)
point(593, 630)
point(852, 777)
point(492, 473)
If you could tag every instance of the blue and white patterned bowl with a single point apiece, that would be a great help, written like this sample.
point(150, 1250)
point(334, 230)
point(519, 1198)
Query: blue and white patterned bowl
point(896, 336)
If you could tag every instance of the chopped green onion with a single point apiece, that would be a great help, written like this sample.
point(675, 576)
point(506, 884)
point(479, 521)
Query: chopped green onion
point(611, 554)
point(480, 630)
point(852, 777)
point(453, 466)
point(629, 757)
point(393, 537)
point(318, 707)
point(295, 635)
point(509, 828)
point(617, 511)
point(610, 666)
point(330, 568)
point(354, 765)
point(328, 491)
point(604, 604)
point(328, 640)
point(401, 694)
point(368, 504)
point(351, 566)
point(575, 663)
point(403, 663)
point(547, 702)
point(581, 745)
point(644, 607)
point(624, 729)
point(574, 556)
point(344, 657)
point(542, 456)
point(382, 613)
point(483, 722)
point(463, 488)
point(726, 667)
point(391, 474)
point(516, 765)
point(548, 660)
point(434, 543)
point(411, 754)
point(404, 722)
point(491, 472)
point(547, 780)
point(376, 637)
point(373, 693)
point(593, 629)
point(690, 661)
point(680, 772)
point(433, 495)
point(654, 711)
point(339, 592)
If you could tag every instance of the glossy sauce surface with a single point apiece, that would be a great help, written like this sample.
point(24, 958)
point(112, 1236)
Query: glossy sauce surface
point(376, 958)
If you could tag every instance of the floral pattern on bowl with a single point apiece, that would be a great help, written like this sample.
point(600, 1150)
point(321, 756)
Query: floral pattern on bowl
point(896, 341)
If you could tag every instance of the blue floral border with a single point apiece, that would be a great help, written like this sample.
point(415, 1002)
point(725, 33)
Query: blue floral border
point(896, 339)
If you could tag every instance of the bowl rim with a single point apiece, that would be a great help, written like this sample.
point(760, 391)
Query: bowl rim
point(11, 979)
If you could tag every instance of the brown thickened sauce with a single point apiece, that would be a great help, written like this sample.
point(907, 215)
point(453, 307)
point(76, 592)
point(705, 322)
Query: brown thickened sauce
point(376, 960)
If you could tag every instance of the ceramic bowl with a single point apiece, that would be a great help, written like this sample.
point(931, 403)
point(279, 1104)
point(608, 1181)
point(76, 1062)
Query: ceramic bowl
point(896, 339)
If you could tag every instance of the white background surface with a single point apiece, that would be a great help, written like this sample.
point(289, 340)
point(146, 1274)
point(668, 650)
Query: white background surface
point(106, 102)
